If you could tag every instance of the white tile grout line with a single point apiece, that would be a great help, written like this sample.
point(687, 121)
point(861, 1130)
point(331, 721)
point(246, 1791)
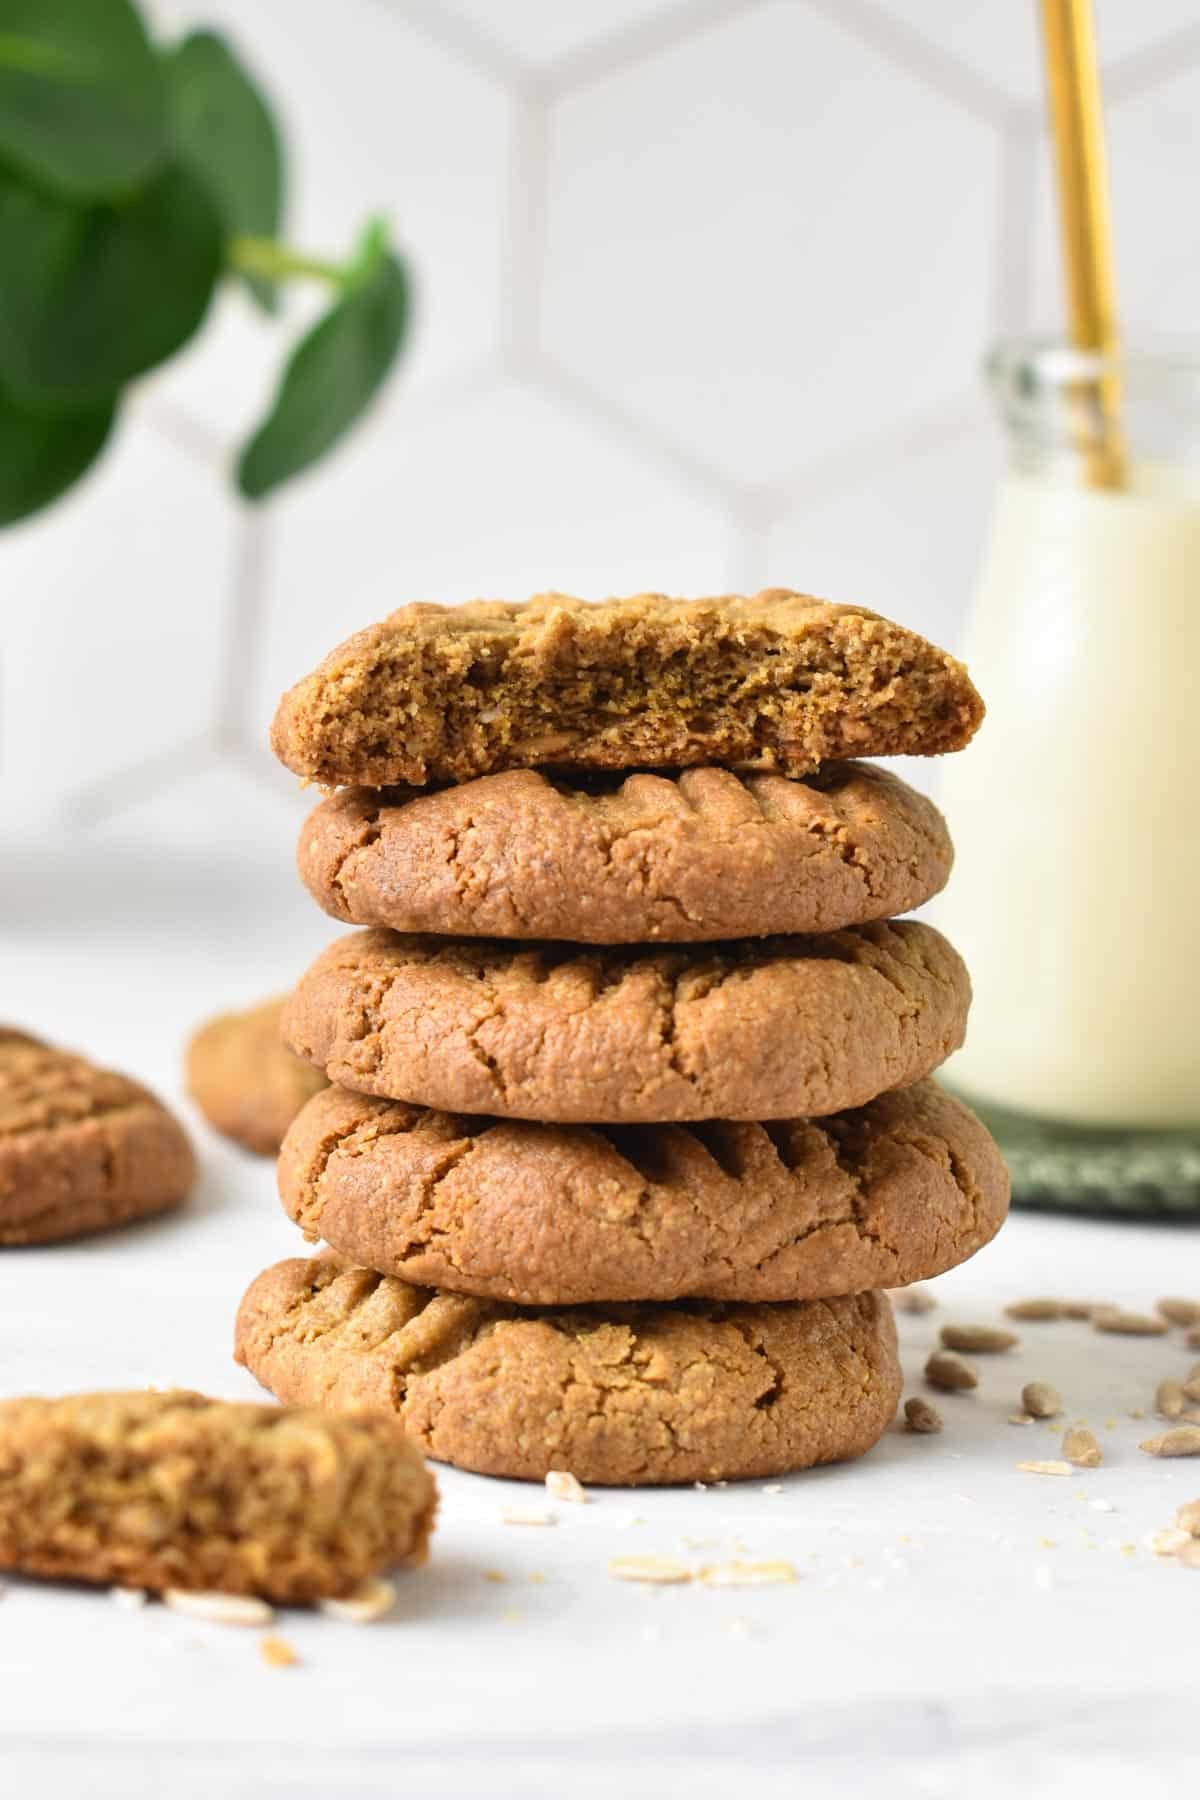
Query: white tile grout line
point(116, 793)
point(550, 374)
point(828, 474)
point(243, 623)
point(1012, 247)
point(1143, 70)
point(461, 37)
point(524, 247)
point(908, 49)
point(748, 553)
point(605, 57)
point(184, 430)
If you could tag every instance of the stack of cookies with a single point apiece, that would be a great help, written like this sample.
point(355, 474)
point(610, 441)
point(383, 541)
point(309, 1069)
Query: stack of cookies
point(629, 1121)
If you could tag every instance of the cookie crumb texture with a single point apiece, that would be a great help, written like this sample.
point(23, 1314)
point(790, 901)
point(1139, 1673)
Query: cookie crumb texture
point(783, 1028)
point(81, 1148)
point(172, 1490)
point(620, 1396)
point(245, 1080)
point(548, 1215)
point(628, 859)
point(776, 681)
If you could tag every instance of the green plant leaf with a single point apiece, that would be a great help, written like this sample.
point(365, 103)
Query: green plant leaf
point(92, 296)
point(224, 131)
point(82, 95)
point(41, 454)
point(334, 372)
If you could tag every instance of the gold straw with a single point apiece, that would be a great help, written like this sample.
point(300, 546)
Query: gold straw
point(1077, 125)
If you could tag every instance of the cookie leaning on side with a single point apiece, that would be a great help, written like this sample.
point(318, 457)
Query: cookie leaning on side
point(245, 1080)
point(508, 1140)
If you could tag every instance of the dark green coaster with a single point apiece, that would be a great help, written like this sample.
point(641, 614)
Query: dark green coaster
point(1078, 1169)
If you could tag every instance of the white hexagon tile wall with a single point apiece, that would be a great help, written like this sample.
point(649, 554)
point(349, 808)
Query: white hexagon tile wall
point(704, 286)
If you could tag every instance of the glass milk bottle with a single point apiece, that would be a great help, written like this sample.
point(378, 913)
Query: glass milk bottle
point(1076, 812)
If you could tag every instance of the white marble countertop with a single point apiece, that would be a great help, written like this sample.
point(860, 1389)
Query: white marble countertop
point(958, 1627)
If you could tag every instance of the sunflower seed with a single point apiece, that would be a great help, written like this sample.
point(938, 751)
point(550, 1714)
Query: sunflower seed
point(565, 1486)
point(921, 1416)
point(221, 1609)
point(1169, 1399)
point(1179, 1312)
point(979, 1340)
point(1040, 1399)
point(1167, 1541)
point(1128, 1324)
point(948, 1371)
point(661, 1571)
point(1036, 1309)
point(371, 1600)
point(1081, 1448)
point(915, 1299)
point(748, 1574)
point(1183, 1441)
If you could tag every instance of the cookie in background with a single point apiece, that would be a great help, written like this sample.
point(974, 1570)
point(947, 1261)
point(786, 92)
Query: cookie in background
point(81, 1148)
point(244, 1079)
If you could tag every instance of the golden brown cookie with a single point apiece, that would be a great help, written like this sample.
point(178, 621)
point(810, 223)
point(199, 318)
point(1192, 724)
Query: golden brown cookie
point(245, 1080)
point(172, 1490)
point(619, 1395)
point(564, 1215)
point(777, 681)
point(81, 1148)
point(782, 1028)
point(683, 858)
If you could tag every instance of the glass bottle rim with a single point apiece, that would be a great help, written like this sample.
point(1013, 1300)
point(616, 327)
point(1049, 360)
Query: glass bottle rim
point(1037, 383)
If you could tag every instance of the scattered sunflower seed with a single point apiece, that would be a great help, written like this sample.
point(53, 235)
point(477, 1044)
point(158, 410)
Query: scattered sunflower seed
point(748, 1574)
point(1081, 1448)
point(515, 1515)
point(1184, 1440)
point(1021, 1418)
point(1040, 1399)
point(1179, 1312)
point(921, 1416)
point(128, 1599)
point(1045, 1468)
point(277, 1653)
point(1167, 1541)
point(1128, 1324)
point(565, 1486)
point(950, 1372)
point(915, 1299)
point(221, 1609)
point(1188, 1517)
point(979, 1340)
point(1169, 1399)
point(773, 1487)
point(372, 1600)
point(661, 1571)
point(1036, 1309)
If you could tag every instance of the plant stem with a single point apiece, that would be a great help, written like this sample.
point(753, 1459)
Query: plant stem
point(276, 262)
